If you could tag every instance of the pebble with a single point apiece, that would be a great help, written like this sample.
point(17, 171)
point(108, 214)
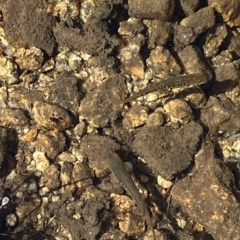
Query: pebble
point(167, 150)
point(52, 143)
point(74, 61)
point(19, 195)
point(131, 28)
point(163, 182)
point(7, 48)
point(23, 98)
point(181, 222)
point(65, 174)
point(189, 6)
point(116, 234)
point(32, 187)
point(193, 62)
point(82, 175)
point(135, 117)
point(155, 119)
point(62, 62)
point(43, 191)
point(128, 214)
point(30, 135)
point(223, 58)
point(234, 49)
point(80, 129)
point(228, 9)
point(11, 220)
point(230, 147)
point(178, 110)
point(12, 117)
point(161, 235)
point(50, 178)
point(44, 79)
point(65, 92)
point(66, 157)
point(78, 153)
point(3, 96)
point(161, 63)
point(223, 111)
point(48, 65)
point(151, 9)
point(12, 175)
point(203, 18)
point(129, 166)
point(143, 178)
point(8, 71)
point(27, 207)
point(65, 10)
point(4, 202)
point(151, 97)
point(99, 106)
point(229, 72)
point(36, 33)
point(130, 55)
point(184, 35)
point(196, 98)
point(234, 95)
point(51, 116)
point(214, 39)
point(29, 59)
point(41, 161)
point(159, 32)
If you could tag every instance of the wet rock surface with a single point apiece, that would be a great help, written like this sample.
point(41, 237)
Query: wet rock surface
point(66, 68)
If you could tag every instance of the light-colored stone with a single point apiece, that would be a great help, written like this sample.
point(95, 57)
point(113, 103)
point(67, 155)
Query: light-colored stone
point(128, 214)
point(163, 182)
point(178, 110)
point(8, 70)
point(151, 9)
point(51, 116)
point(155, 119)
point(161, 63)
point(41, 161)
point(66, 157)
point(135, 117)
point(12, 117)
point(29, 59)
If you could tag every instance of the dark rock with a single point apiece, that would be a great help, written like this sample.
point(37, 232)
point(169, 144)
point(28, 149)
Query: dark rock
point(207, 196)
point(204, 19)
point(166, 150)
point(29, 24)
point(101, 106)
point(65, 92)
point(151, 9)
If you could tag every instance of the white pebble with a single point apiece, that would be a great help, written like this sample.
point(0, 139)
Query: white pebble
point(11, 220)
point(41, 161)
point(163, 182)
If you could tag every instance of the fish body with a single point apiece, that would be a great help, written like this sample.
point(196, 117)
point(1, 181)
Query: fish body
point(170, 83)
point(118, 167)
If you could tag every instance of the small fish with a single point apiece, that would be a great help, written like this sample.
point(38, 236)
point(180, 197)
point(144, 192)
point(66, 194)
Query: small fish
point(117, 166)
point(171, 82)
